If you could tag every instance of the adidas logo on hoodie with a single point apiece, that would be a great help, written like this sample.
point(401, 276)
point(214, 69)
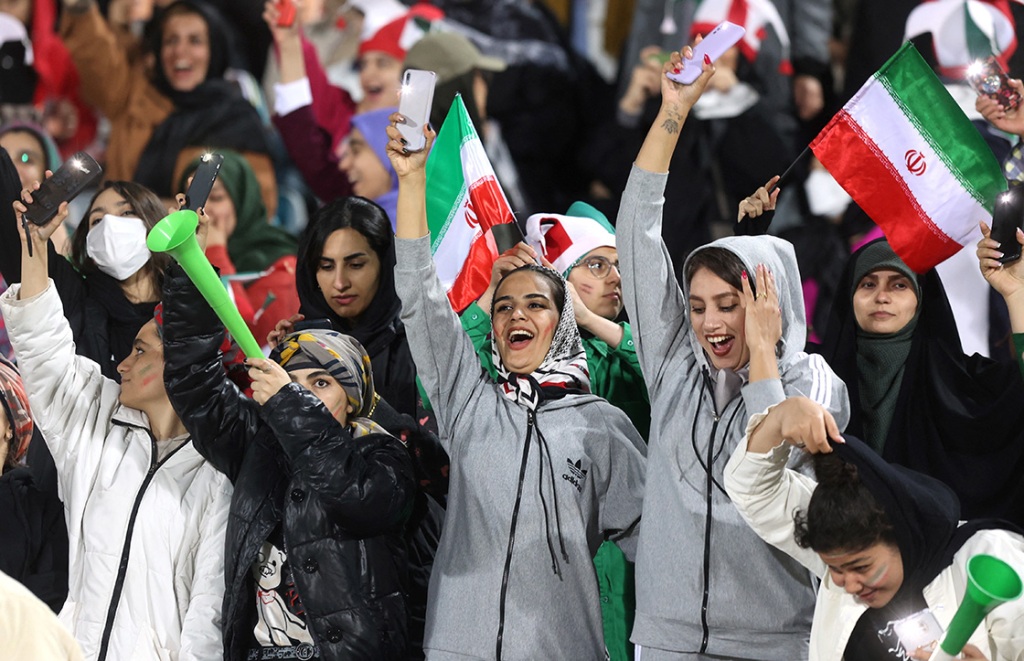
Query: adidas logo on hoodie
point(575, 474)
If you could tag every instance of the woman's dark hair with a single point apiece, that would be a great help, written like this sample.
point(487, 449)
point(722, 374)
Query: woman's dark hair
point(724, 263)
point(146, 205)
point(12, 443)
point(444, 97)
point(358, 213)
point(842, 514)
point(555, 282)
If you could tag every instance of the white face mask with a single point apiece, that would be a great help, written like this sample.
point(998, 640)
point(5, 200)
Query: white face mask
point(118, 245)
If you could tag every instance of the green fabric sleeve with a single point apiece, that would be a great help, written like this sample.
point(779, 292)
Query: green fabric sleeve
point(477, 325)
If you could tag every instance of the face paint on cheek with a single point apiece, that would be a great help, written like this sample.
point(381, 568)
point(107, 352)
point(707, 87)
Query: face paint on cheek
point(146, 380)
point(877, 578)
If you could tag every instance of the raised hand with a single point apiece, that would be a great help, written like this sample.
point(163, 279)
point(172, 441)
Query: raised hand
point(40, 234)
point(763, 316)
point(761, 201)
point(406, 162)
point(282, 328)
point(267, 378)
point(1007, 279)
point(680, 96)
point(518, 255)
point(1010, 121)
point(799, 421)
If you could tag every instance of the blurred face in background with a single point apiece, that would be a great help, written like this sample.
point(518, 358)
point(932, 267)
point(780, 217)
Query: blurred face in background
point(185, 51)
point(221, 209)
point(19, 9)
point(363, 167)
point(598, 282)
point(380, 76)
point(28, 154)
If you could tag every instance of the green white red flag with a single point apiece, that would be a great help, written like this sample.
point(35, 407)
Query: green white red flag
point(464, 200)
point(907, 154)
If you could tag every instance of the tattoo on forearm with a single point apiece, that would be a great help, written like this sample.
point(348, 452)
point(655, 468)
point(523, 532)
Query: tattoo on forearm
point(671, 126)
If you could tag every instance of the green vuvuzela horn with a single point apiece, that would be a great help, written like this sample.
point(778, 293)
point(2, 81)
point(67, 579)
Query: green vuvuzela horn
point(176, 236)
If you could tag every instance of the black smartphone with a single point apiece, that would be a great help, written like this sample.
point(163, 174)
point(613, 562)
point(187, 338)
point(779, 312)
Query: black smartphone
point(990, 79)
point(1007, 216)
point(506, 236)
point(202, 181)
point(78, 173)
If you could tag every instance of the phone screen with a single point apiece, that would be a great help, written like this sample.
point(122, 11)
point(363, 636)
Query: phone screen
point(506, 236)
point(414, 102)
point(202, 181)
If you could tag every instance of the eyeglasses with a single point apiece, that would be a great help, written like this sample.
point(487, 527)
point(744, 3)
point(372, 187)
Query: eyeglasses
point(600, 267)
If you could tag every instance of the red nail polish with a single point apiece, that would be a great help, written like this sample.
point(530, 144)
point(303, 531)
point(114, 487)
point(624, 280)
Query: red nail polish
point(707, 59)
point(744, 275)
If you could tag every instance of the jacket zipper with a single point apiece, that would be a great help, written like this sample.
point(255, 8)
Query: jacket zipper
point(705, 631)
point(122, 568)
point(512, 535)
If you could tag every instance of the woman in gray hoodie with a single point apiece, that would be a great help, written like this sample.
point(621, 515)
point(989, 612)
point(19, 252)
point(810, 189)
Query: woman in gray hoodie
point(725, 346)
point(542, 470)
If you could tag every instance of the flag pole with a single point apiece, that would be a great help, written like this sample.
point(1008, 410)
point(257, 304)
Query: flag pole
point(787, 175)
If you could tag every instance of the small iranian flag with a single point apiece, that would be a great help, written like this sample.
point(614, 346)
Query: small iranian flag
point(464, 200)
point(907, 154)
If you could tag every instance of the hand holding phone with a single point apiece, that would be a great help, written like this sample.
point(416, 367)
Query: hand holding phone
point(414, 103)
point(719, 40)
point(78, 173)
point(1007, 216)
point(990, 79)
point(202, 181)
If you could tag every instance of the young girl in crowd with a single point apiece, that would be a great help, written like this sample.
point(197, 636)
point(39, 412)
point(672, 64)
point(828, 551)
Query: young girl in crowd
point(728, 343)
point(315, 550)
point(543, 469)
point(581, 246)
point(917, 399)
point(345, 279)
point(241, 238)
point(160, 120)
point(885, 540)
point(145, 512)
point(110, 283)
point(34, 549)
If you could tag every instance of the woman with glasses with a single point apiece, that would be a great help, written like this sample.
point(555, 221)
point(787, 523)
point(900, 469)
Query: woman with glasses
point(581, 246)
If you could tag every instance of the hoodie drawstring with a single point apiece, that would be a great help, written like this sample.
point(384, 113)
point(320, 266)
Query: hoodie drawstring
point(546, 450)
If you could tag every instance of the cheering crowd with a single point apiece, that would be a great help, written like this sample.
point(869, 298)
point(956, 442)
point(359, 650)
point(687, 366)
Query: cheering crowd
point(711, 414)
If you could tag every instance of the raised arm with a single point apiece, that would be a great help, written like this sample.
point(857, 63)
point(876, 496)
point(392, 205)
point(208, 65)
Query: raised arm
point(653, 300)
point(765, 492)
point(446, 361)
point(106, 74)
point(220, 418)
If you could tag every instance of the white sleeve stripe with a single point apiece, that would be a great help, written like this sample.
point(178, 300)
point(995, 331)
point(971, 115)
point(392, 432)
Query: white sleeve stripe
point(821, 381)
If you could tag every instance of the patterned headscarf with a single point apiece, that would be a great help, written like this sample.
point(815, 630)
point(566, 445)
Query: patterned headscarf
point(564, 369)
point(345, 360)
point(15, 405)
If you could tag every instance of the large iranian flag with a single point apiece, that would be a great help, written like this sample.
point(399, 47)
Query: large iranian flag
point(911, 159)
point(464, 200)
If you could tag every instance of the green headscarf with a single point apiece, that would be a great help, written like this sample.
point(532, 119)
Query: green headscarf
point(255, 244)
point(882, 357)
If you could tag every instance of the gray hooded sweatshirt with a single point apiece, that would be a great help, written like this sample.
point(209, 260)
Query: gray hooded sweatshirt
point(705, 582)
point(592, 472)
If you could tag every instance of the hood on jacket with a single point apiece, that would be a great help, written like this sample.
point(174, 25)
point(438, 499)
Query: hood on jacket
point(780, 258)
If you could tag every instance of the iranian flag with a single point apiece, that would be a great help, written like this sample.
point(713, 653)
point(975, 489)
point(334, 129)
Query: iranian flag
point(464, 200)
point(911, 159)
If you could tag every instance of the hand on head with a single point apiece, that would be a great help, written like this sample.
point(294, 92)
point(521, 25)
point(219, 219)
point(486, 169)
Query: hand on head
point(763, 315)
point(282, 328)
point(803, 423)
point(267, 378)
point(406, 162)
point(762, 200)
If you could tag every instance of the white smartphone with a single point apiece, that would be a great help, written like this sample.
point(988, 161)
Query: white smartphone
point(719, 40)
point(414, 101)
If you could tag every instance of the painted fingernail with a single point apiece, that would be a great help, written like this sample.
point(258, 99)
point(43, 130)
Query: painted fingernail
point(707, 59)
point(744, 275)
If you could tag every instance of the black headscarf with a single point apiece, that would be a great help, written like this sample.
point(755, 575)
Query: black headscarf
point(957, 418)
point(213, 115)
point(379, 328)
point(923, 511)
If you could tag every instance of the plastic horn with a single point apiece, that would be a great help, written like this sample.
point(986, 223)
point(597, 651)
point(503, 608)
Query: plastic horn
point(176, 235)
point(990, 582)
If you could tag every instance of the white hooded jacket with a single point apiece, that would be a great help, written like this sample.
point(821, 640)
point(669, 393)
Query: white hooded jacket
point(146, 537)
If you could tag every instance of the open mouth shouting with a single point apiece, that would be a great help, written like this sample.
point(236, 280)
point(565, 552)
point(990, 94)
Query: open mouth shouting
point(519, 338)
point(721, 345)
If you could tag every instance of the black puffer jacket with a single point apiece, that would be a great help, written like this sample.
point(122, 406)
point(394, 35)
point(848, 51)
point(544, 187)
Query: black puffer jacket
point(342, 502)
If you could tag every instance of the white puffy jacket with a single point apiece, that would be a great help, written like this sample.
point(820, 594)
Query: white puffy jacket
point(146, 569)
point(766, 494)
